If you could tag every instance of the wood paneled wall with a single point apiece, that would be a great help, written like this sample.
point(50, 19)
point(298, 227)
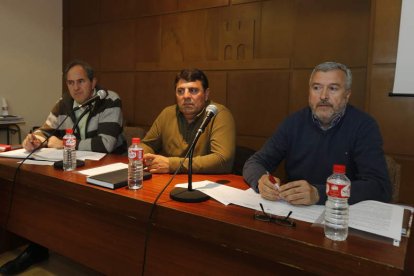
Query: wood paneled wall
point(257, 54)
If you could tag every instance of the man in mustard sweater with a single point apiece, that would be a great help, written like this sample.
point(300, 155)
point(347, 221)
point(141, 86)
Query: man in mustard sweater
point(169, 137)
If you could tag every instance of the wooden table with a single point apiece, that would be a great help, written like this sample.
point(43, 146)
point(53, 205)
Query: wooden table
point(106, 230)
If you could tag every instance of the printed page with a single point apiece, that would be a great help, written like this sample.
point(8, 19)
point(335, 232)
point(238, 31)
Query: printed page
point(377, 217)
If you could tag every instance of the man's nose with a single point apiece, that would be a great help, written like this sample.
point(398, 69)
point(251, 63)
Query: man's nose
point(187, 93)
point(324, 93)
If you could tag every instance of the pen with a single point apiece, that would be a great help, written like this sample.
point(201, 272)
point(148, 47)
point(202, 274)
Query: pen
point(273, 180)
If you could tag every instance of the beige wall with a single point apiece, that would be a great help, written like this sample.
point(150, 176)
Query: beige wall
point(30, 58)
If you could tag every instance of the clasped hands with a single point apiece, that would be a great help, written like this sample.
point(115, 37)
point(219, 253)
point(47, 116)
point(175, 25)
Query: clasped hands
point(295, 192)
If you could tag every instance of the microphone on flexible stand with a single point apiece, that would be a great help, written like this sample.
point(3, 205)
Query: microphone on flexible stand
point(100, 95)
point(87, 109)
point(189, 194)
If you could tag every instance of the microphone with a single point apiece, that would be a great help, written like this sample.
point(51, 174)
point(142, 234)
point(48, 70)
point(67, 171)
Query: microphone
point(189, 194)
point(101, 94)
point(211, 110)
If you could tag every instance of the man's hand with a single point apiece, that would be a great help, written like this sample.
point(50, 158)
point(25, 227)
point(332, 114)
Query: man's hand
point(55, 142)
point(267, 188)
point(157, 163)
point(31, 142)
point(299, 192)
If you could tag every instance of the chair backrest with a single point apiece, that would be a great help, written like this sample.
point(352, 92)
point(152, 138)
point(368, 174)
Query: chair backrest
point(242, 154)
point(394, 171)
point(133, 131)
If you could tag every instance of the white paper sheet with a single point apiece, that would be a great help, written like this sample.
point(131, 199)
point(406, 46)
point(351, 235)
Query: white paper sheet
point(38, 162)
point(377, 217)
point(51, 154)
point(104, 169)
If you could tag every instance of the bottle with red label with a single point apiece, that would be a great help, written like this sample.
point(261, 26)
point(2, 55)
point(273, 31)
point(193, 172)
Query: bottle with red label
point(69, 150)
point(135, 166)
point(338, 190)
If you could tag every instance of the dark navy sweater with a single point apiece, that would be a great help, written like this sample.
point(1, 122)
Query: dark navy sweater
point(310, 153)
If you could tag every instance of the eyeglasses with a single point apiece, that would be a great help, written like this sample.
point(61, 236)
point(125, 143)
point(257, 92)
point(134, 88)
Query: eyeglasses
point(284, 221)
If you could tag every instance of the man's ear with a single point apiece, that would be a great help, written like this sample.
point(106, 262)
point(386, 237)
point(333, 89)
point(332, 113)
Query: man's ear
point(206, 94)
point(349, 92)
point(94, 81)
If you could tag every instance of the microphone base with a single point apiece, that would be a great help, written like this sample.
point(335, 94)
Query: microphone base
point(184, 195)
point(59, 164)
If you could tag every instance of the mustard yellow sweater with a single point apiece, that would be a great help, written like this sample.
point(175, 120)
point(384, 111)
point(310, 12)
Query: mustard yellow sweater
point(170, 135)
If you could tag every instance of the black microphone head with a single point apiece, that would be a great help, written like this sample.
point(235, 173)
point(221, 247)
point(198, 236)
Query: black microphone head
point(211, 108)
point(102, 94)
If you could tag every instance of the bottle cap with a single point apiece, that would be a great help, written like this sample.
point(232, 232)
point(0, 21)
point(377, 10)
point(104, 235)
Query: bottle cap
point(136, 140)
point(339, 168)
point(69, 131)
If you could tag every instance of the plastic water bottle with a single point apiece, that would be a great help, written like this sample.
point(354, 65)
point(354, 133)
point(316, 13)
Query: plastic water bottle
point(4, 107)
point(135, 166)
point(338, 190)
point(69, 150)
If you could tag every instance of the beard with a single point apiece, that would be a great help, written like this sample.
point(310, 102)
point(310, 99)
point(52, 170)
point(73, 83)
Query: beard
point(325, 112)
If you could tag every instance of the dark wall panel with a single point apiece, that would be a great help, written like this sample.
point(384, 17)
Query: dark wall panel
point(218, 86)
point(118, 49)
point(394, 115)
point(331, 30)
point(181, 41)
point(145, 7)
point(79, 48)
point(387, 22)
point(201, 4)
point(258, 100)
point(123, 9)
point(123, 84)
point(154, 91)
point(83, 12)
point(147, 40)
point(359, 88)
point(277, 21)
point(407, 169)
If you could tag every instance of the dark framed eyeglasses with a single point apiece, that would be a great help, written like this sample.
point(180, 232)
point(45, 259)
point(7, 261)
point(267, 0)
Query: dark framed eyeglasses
point(284, 221)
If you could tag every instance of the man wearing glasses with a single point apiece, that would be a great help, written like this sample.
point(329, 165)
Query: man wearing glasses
point(173, 131)
point(312, 140)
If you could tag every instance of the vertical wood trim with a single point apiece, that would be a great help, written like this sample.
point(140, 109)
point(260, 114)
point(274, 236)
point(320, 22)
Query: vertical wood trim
point(370, 55)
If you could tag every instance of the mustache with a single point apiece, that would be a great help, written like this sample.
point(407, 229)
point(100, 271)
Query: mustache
point(324, 103)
